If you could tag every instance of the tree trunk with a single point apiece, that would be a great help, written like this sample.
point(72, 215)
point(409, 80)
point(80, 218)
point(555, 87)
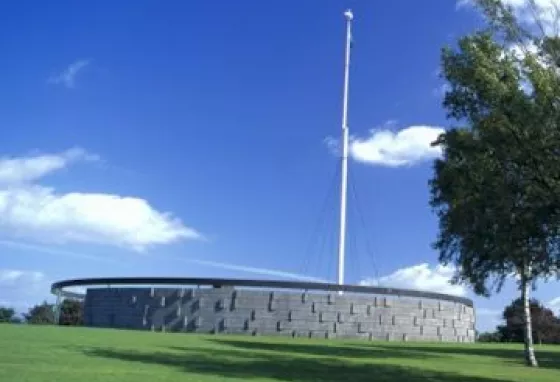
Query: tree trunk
point(529, 348)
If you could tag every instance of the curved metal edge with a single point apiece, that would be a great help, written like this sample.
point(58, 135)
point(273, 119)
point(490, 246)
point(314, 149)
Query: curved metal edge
point(58, 287)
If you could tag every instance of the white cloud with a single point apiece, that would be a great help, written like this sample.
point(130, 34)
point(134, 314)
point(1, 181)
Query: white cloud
point(441, 90)
point(26, 169)
point(393, 149)
point(421, 277)
point(543, 10)
point(464, 3)
point(68, 76)
point(33, 211)
point(554, 305)
point(11, 277)
point(21, 289)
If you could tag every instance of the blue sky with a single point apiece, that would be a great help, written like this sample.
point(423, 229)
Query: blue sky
point(192, 139)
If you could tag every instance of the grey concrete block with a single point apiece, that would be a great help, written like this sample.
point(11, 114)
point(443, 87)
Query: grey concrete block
point(319, 334)
point(253, 312)
point(328, 316)
point(403, 311)
point(431, 321)
point(307, 325)
point(461, 332)
point(302, 315)
point(446, 332)
point(449, 315)
point(403, 320)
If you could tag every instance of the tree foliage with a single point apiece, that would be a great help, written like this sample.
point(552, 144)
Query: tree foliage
point(7, 314)
point(42, 314)
point(71, 313)
point(546, 326)
point(496, 189)
point(489, 337)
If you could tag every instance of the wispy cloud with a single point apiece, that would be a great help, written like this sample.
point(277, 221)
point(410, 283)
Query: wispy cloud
point(25, 169)
point(68, 77)
point(441, 90)
point(254, 270)
point(18, 245)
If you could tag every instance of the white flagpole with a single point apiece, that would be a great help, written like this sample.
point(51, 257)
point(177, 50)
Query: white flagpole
point(343, 190)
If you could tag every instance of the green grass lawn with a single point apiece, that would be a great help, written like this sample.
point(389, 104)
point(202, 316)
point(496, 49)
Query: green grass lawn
point(58, 354)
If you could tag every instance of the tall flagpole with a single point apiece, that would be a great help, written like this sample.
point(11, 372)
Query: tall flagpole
point(343, 189)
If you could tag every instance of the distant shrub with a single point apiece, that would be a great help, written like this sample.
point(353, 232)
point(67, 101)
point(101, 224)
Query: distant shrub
point(42, 314)
point(7, 314)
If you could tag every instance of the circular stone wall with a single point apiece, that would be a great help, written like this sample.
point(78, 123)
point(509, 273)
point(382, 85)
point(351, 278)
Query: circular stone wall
point(398, 315)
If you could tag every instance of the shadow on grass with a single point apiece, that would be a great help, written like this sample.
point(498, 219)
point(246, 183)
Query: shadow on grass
point(325, 349)
point(547, 359)
point(250, 364)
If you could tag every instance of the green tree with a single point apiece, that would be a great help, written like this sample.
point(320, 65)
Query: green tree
point(42, 314)
point(71, 313)
point(6, 314)
point(496, 189)
point(546, 326)
point(489, 337)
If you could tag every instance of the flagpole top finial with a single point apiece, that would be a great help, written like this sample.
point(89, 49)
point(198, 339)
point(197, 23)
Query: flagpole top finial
point(349, 15)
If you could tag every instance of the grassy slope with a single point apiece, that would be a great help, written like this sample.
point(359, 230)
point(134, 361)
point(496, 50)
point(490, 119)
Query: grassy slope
point(36, 354)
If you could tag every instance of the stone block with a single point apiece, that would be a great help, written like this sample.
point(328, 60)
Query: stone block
point(461, 332)
point(246, 302)
point(403, 311)
point(345, 328)
point(429, 303)
point(446, 332)
point(341, 306)
point(431, 321)
point(403, 320)
point(318, 334)
point(236, 322)
point(354, 336)
point(448, 339)
point(448, 315)
point(307, 325)
point(413, 337)
point(366, 327)
point(311, 314)
point(264, 326)
point(328, 316)
point(302, 315)
point(429, 330)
